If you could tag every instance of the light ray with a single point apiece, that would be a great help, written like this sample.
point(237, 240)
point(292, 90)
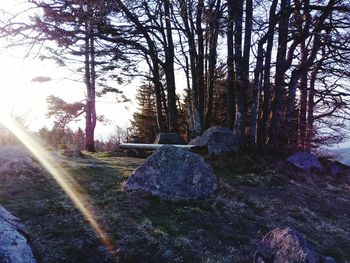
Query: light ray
point(65, 181)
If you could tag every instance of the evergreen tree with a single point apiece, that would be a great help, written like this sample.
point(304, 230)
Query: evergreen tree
point(144, 121)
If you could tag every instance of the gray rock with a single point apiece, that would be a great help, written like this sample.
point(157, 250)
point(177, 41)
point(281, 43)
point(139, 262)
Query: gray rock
point(14, 246)
point(173, 173)
point(334, 167)
point(73, 153)
point(305, 161)
point(287, 246)
point(218, 140)
point(169, 138)
point(15, 160)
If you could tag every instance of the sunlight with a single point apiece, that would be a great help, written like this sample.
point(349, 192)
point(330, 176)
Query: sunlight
point(66, 182)
point(18, 96)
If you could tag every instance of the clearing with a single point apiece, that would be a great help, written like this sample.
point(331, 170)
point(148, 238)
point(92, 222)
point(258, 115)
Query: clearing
point(254, 196)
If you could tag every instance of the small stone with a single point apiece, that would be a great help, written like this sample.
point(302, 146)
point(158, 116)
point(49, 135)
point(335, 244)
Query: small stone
point(305, 161)
point(73, 153)
point(287, 246)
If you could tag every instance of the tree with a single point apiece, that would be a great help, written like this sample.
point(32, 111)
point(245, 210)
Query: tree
point(230, 66)
point(285, 65)
point(144, 123)
point(72, 27)
point(262, 78)
point(63, 112)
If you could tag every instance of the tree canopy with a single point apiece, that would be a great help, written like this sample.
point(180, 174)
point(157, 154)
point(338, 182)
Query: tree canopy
point(284, 63)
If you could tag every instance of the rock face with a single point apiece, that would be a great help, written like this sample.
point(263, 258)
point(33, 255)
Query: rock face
point(173, 173)
point(15, 159)
point(287, 246)
point(218, 140)
point(305, 161)
point(14, 247)
point(169, 138)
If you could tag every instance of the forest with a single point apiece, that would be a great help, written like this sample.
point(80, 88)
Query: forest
point(275, 72)
point(252, 90)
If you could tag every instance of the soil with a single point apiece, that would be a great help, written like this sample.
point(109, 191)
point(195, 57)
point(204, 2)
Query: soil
point(255, 195)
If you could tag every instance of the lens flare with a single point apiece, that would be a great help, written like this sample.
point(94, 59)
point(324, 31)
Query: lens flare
point(65, 181)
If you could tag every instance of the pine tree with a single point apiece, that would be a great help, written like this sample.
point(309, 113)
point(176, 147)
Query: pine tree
point(144, 121)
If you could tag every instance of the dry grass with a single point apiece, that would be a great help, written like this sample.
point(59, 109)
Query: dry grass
point(254, 197)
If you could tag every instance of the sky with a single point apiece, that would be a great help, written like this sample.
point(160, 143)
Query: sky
point(21, 96)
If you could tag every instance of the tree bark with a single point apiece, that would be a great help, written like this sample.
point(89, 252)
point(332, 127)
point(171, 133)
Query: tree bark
point(242, 65)
point(263, 122)
point(200, 63)
point(278, 100)
point(169, 70)
point(256, 91)
point(213, 35)
point(90, 78)
point(230, 90)
point(310, 111)
point(303, 98)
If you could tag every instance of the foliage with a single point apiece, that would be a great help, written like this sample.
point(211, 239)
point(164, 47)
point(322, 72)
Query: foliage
point(144, 123)
point(62, 138)
point(63, 112)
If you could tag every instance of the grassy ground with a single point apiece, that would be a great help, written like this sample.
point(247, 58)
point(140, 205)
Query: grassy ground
point(254, 196)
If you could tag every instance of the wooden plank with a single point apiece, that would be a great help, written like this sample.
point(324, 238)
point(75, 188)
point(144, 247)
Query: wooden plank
point(146, 146)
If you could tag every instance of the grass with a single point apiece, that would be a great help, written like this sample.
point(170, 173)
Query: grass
point(255, 195)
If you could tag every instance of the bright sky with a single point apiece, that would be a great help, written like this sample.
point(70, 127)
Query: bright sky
point(20, 96)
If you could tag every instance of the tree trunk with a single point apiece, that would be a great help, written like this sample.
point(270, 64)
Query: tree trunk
point(263, 123)
point(256, 91)
point(169, 70)
point(189, 32)
point(230, 91)
point(213, 35)
point(200, 63)
point(90, 117)
point(158, 87)
point(291, 121)
point(310, 133)
point(303, 97)
point(278, 99)
point(242, 66)
point(310, 116)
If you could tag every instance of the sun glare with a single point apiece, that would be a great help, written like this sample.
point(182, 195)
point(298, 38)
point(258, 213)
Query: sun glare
point(65, 181)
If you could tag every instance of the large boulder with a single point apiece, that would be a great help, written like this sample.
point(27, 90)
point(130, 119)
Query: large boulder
point(15, 160)
point(173, 173)
point(169, 138)
point(286, 245)
point(305, 161)
point(14, 245)
point(218, 140)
